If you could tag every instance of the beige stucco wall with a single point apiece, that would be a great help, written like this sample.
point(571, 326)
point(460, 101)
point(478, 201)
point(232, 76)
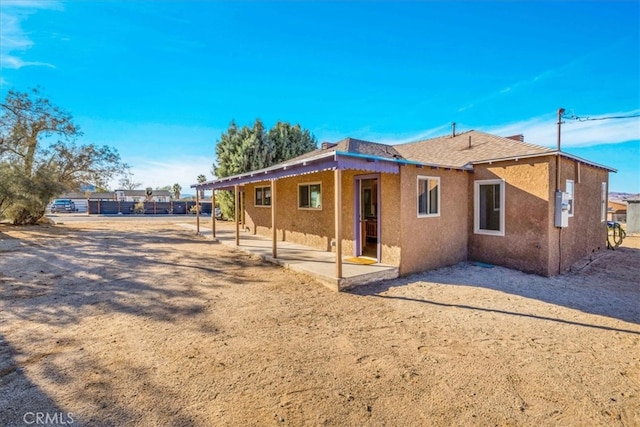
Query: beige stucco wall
point(586, 232)
point(316, 228)
point(525, 245)
point(433, 242)
point(531, 242)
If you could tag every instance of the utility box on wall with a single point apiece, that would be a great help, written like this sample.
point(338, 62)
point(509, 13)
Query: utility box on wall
point(562, 209)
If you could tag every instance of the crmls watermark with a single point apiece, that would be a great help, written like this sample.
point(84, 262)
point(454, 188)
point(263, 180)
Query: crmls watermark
point(46, 418)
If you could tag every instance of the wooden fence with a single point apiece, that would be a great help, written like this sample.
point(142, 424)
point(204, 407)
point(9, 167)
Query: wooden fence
point(113, 207)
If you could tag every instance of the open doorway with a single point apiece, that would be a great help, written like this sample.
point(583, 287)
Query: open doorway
point(368, 216)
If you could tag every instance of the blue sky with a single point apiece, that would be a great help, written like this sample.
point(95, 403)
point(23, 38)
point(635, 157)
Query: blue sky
point(160, 81)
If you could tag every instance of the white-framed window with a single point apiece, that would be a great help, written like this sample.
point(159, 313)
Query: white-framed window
point(489, 207)
point(569, 189)
point(310, 196)
point(428, 196)
point(263, 196)
point(603, 201)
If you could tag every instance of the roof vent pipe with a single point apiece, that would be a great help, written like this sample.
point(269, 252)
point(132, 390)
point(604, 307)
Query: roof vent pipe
point(453, 129)
point(469, 141)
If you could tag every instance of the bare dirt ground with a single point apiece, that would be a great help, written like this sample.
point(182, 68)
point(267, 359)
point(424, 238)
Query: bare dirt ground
point(142, 323)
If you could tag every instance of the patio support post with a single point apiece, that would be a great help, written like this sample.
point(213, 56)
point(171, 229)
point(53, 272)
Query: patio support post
point(213, 213)
point(274, 246)
point(237, 212)
point(242, 203)
point(197, 211)
point(337, 182)
point(239, 205)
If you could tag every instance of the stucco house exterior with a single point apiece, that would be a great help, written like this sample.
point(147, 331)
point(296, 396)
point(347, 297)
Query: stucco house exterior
point(433, 203)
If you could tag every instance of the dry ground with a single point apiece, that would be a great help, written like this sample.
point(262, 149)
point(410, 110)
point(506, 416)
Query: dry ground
point(142, 323)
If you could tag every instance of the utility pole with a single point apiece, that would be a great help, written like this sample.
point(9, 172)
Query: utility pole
point(560, 113)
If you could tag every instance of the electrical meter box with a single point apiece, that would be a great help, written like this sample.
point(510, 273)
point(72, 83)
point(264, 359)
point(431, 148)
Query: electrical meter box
point(562, 209)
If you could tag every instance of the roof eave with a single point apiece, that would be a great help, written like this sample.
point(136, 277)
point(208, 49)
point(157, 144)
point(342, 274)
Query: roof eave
point(550, 153)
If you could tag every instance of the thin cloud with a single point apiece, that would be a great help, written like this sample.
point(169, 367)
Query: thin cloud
point(392, 139)
point(541, 130)
point(15, 41)
point(545, 75)
point(544, 130)
point(515, 86)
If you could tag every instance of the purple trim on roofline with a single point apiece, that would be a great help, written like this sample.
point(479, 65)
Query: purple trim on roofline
point(299, 169)
point(367, 165)
point(321, 163)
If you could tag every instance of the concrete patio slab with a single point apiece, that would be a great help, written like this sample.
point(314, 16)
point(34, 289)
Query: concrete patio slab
point(315, 262)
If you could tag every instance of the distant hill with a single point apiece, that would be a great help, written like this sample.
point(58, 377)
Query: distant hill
point(614, 196)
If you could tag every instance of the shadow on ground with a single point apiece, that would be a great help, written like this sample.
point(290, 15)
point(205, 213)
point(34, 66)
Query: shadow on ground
point(608, 286)
point(22, 402)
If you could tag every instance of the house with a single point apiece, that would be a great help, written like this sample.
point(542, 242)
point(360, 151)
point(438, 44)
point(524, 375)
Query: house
point(433, 203)
point(617, 211)
point(143, 195)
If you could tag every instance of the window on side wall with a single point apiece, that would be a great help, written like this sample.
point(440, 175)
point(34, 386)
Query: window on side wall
point(569, 189)
point(428, 196)
point(603, 201)
point(310, 196)
point(263, 196)
point(489, 205)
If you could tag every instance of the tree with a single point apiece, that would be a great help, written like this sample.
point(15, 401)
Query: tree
point(287, 142)
point(246, 149)
point(39, 156)
point(127, 181)
point(177, 188)
point(201, 178)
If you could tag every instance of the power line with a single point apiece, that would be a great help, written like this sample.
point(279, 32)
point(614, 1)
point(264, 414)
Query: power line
point(587, 118)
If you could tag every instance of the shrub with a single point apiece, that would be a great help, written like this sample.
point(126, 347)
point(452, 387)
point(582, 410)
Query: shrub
point(138, 208)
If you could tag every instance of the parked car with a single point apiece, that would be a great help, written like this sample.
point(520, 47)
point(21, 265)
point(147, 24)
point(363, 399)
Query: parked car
point(218, 213)
point(63, 205)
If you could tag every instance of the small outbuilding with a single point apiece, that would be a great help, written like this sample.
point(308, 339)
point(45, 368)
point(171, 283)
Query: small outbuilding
point(633, 215)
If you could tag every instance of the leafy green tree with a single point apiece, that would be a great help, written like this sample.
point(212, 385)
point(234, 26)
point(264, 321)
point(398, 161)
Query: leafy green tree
point(39, 157)
point(250, 148)
point(287, 142)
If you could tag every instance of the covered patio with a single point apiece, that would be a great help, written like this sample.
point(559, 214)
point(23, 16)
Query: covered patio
point(331, 266)
point(314, 262)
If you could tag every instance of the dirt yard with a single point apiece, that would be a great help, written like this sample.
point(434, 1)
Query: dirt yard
point(142, 323)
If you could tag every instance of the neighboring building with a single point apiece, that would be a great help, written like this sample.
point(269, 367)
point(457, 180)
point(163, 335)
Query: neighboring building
point(433, 203)
point(142, 196)
point(617, 211)
point(633, 215)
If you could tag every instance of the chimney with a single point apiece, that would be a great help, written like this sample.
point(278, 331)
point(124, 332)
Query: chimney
point(327, 145)
point(453, 129)
point(519, 137)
